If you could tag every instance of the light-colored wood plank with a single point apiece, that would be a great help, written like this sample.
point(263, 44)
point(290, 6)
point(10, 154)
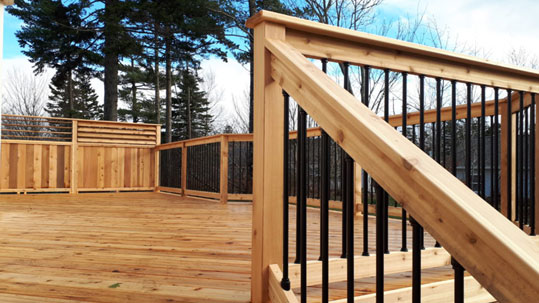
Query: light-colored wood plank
point(205, 194)
point(267, 165)
point(75, 154)
point(5, 165)
point(100, 169)
point(395, 262)
point(36, 180)
point(156, 162)
point(438, 201)
point(53, 166)
point(44, 167)
point(32, 142)
point(437, 292)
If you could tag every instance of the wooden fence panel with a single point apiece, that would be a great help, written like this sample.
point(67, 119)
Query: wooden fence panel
point(113, 168)
point(34, 166)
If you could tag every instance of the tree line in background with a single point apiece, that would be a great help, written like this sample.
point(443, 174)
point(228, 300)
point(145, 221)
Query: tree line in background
point(142, 48)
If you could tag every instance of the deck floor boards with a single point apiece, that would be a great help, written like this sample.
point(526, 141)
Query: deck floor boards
point(145, 247)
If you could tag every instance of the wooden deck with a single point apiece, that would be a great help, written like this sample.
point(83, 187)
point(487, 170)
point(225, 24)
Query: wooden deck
point(144, 247)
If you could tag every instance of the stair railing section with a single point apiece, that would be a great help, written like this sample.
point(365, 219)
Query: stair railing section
point(479, 239)
point(216, 167)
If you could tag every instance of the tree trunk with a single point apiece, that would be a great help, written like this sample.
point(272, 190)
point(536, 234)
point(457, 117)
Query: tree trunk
point(111, 61)
point(157, 85)
point(168, 84)
point(252, 12)
point(70, 97)
point(134, 105)
point(189, 133)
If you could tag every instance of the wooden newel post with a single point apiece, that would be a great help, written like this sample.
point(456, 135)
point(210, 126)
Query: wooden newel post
point(267, 164)
point(74, 152)
point(224, 169)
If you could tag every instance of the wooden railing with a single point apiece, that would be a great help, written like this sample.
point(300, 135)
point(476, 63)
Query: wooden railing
point(497, 254)
point(208, 167)
point(40, 154)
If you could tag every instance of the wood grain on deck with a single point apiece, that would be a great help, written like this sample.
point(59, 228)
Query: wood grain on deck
point(142, 247)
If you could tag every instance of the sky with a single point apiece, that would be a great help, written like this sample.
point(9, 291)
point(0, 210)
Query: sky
point(497, 26)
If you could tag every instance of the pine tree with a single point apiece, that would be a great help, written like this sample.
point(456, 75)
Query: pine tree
point(191, 115)
point(77, 88)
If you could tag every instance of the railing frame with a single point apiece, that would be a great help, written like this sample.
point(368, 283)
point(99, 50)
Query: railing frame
point(281, 43)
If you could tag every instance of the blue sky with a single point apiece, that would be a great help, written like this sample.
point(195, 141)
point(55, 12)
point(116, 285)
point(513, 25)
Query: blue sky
point(11, 46)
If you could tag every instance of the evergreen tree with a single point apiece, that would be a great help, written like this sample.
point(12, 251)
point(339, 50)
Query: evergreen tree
point(78, 88)
point(191, 115)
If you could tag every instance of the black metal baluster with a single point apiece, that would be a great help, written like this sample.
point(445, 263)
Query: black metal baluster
point(478, 144)
point(324, 220)
point(444, 139)
point(348, 205)
point(350, 228)
point(454, 127)
point(520, 162)
point(405, 134)
point(232, 164)
point(458, 269)
point(302, 199)
point(416, 228)
point(468, 135)
point(532, 165)
point(525, 166)
point(438, 132)
point(364, 175)
point(491, 201)
point(422, 135)
point(482, 145)
point(380, 243)
point(298, 185)
point(344, 183)
point(324, 198)
point(385, 194)
point(307, 160)
point(459, 281)
point(243, 168)
point(496, 149)
point(416, 261)
point(285, 282)
point(343, 203)
point(509, 153)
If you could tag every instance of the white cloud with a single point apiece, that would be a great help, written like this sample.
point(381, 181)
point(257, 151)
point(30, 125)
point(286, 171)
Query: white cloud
point(498, 26)
point(231, 78)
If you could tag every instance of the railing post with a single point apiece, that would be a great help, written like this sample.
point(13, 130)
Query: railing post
point(506, 163)
point(184, 169)
point(74, 152)
point(223, 182)
point(267, 231)
point(156, 157)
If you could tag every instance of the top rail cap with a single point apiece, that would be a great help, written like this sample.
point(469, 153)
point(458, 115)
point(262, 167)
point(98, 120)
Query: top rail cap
point(385, 42)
